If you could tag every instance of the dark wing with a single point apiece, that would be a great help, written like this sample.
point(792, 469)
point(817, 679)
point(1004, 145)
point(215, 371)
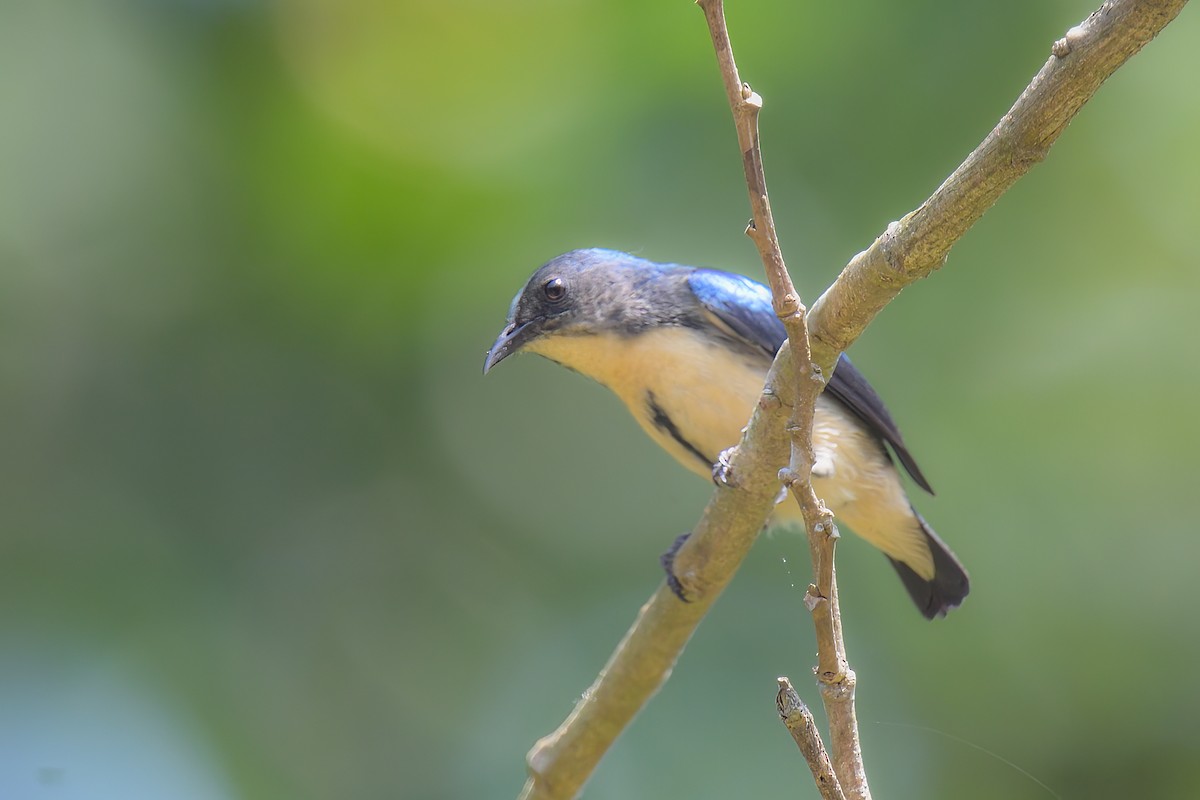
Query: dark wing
point(743, 308)
point(849, 386)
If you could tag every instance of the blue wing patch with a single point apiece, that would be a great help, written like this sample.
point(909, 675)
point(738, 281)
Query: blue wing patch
point(743, 307)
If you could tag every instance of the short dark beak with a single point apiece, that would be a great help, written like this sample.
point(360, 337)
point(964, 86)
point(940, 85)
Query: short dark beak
point(514, 336)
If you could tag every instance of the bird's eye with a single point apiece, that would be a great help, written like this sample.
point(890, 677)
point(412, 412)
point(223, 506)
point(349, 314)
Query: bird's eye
point(554, 290)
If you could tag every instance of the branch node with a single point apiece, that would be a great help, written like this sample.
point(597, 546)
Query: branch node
point(813, 598)
point(769, 401)
point(540, 758)
point(750, 97)
point(1061, 48)
point(789, 307)
point(888, 249)
point(837, 687)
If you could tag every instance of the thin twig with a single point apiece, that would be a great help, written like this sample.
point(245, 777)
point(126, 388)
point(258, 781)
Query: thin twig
point(832, 667)
point(800, 723)
point(560, 763)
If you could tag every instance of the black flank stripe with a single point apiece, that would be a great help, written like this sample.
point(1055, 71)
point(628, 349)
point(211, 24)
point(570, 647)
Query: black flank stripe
point(662, 420)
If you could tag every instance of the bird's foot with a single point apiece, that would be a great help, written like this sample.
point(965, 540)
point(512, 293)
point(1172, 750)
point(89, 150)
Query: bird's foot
point(667, 560)
point(823, 466)
point(722, 471)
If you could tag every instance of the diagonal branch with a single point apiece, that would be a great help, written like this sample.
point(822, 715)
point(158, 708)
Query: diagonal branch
point(560, 763)
point(919, 243)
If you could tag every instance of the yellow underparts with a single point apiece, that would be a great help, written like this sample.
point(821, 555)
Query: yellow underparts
point(709, 392)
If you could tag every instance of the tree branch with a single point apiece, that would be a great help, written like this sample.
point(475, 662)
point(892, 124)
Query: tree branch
point(919, 243)
point(909, 250)
point(800, 723)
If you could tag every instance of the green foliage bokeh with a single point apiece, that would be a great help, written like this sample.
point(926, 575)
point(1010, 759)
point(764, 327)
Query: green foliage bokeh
point(266, 531)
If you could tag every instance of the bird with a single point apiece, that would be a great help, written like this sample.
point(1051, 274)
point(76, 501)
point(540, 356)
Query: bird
point(687, 350)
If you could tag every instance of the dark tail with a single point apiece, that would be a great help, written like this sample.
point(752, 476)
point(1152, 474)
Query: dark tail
point(950, 583)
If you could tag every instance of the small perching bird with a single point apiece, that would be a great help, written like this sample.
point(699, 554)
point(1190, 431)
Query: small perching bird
point(687, 351)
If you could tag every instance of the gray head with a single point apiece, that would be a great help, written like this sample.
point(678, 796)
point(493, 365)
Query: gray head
point(589, 292)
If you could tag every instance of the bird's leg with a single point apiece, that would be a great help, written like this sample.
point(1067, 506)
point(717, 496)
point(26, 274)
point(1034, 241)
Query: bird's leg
point(667, 560)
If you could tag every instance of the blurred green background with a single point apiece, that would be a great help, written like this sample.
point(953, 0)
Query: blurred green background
point(266, 531)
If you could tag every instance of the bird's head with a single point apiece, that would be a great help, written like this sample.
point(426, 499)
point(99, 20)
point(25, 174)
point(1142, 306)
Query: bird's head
point(583, 293)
